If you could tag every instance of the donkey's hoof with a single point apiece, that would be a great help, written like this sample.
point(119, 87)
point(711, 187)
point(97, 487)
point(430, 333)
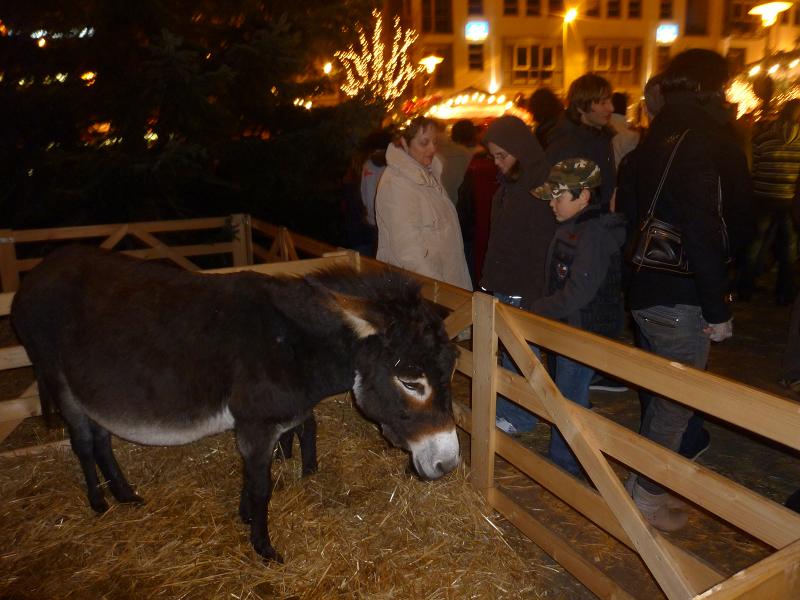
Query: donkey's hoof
point(268, 553)
point(98, 504)
point(130, 499)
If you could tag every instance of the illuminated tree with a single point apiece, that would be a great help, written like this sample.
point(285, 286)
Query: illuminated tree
point(375, 73)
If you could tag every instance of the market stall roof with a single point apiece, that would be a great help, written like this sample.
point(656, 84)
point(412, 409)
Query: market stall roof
point(476, 105)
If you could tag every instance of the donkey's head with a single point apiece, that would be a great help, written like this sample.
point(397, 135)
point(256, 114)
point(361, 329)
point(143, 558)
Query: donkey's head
point(403, 369)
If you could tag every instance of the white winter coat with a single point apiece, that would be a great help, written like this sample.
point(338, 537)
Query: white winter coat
point(418, 227)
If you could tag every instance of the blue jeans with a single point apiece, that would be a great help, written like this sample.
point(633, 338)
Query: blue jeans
point(572, 379)
point(521, 419)
point(676, 333)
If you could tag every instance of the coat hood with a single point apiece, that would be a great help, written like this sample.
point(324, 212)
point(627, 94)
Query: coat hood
point(402, 161)
point(515, 137)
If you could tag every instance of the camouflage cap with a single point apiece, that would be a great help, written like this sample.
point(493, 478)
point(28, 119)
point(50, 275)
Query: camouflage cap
point(569, 174)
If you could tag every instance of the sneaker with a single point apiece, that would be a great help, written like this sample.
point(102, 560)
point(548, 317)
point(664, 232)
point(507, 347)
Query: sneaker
point(505, 426)
point(604, 384)
point(694, 451)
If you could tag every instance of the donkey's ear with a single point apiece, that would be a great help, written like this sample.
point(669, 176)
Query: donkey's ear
point(359, 314)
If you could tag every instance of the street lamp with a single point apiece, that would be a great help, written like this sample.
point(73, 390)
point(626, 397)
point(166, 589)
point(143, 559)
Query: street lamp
point(430, 62)
point(769, 11)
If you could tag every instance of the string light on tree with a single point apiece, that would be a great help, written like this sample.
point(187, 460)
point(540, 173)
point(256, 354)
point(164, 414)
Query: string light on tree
point(375, 71)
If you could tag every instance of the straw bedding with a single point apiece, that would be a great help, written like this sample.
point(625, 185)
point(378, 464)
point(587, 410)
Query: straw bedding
point(362, 527)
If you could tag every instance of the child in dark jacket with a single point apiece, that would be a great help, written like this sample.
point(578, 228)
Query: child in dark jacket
point(582, 281)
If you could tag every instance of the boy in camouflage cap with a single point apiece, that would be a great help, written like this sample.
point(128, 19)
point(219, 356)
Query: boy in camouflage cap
point(582, 279)
point(578, 176)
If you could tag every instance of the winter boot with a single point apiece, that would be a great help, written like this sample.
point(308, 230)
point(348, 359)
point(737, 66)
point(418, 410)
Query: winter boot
point(656, 509)
point(673, 502)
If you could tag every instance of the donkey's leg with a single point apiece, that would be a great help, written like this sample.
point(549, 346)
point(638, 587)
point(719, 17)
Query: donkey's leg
point(104, 455)
point(80, 436)
point(307, 434)
point(285, 443)
point(256, 443)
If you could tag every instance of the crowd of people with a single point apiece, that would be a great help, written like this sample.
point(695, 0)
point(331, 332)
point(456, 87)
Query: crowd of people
point(571, 199)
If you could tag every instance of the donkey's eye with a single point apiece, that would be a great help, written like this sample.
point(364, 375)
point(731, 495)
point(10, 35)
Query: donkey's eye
point(417, 389)
point(412, 386)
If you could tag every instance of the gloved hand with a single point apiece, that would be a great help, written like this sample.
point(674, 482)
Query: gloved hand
point(719, 331)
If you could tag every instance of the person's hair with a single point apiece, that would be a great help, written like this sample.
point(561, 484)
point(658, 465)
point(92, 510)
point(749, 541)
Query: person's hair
point(653, 98)
point(545, 105)
point(620, 102)
point(585, 90)
point(701, 72)
point(594, 194)
point(464, 132)
point(416, 125)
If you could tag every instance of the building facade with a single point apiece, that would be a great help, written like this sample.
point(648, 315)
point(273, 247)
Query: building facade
point(514, 46)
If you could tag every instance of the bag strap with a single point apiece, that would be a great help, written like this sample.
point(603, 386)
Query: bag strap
point(652, 208)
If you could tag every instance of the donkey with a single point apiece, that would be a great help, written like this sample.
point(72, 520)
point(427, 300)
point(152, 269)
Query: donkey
point(161, 356)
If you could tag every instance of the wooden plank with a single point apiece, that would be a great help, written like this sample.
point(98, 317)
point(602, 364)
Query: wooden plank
point(243, 242)
point(459, 319)
point(295, 267)
point(27, 264)
point(777, 577)
point(569, 420)
point(165, 250)
point(89, 231)
point(484, 350)
point(189, 250)
point(28, 450)
point(560, 549)
point(5, 303)
point(13, 357)
point(768, 415)
point(9, 274)
point(114, 239)
point(7, 427)
point(20, 408)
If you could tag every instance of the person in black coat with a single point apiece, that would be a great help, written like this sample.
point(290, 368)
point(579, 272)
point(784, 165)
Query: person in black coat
point(677, 316)
point(583, 130)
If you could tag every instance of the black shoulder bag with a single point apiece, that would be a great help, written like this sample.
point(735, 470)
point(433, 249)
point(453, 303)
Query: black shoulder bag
point(660, 245)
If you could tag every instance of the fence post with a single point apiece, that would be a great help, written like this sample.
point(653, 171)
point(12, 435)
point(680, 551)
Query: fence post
point(9, 274)
point(484, 391)
point(243, 242)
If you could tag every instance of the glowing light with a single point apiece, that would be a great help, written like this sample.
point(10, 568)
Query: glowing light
point(430, 62)
point(772, 69)
point(741, 93)
point(794, 63)
point(493, 86)
point(769, 11)
point(61, 77)
point(476, 31)
point(372, 70)
point(666, 33)
point(89, 77)
point(308, 105)
point(754, 71)
point(41, 43)
point(570, 15)
point(327, 68)
point(475, 105)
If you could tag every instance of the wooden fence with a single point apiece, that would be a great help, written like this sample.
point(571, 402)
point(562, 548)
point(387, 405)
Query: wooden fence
point(594, 439)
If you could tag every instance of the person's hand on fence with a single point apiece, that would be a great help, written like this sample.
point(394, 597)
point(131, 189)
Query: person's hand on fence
point(719, 332)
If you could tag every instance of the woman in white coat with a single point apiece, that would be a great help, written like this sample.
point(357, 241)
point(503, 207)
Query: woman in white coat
point(418, 226)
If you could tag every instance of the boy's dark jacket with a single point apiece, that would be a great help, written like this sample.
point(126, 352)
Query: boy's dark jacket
point(584, 272)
